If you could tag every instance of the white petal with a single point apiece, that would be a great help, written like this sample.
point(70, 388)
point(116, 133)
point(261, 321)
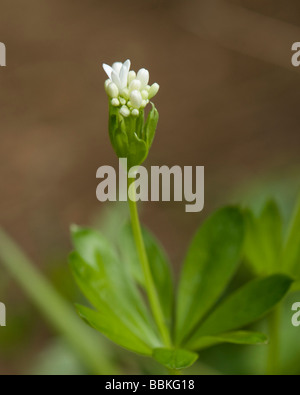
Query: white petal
point(115, 78)
point(143, 76)
point(127, 64)
point(117, 67)
point(136, 99)
point(108, 70)
point(124, 76)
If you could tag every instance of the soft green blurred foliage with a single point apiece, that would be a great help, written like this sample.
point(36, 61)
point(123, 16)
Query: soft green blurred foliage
point(109, 281)
point(268, 248)
point(221, 358)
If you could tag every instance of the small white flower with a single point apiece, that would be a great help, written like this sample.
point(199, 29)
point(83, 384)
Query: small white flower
point(118, 73)
point(128, 90)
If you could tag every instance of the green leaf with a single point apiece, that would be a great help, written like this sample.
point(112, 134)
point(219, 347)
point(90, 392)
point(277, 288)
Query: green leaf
point(263, 242)
point(117, 134)
point(175, 359)
point(137, 151)
point(291, 255)
point(211, 262)
point(241, 337)
point(151, 126)
point(111, 326)
point(247, 305)
point(159, 265)
point(140, 124)
point(106, 282)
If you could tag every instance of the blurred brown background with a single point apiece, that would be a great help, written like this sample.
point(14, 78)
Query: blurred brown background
point(229, 100)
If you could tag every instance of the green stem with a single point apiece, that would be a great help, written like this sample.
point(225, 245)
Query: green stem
point(55, 309)
point(150, 287)
point(274, 346)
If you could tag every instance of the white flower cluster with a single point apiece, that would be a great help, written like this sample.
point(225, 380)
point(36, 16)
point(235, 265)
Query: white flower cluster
point(128, 90)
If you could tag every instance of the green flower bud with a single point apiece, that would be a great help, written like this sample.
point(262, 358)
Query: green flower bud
point(130, 136)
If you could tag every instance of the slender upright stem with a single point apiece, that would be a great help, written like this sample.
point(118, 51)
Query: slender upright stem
point(274, 346)
point(150, 287)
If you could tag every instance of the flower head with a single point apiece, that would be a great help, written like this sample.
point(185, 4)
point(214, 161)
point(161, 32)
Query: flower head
point(128, 90)
point(129, 93)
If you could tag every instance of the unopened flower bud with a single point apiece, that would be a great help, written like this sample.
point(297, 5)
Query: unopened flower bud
point(143, 76)
point(112, 90)
point(145, 94)
point(135, 112)
point(125, 111)
point(131, 76)
point(115, 102)
point(125, 93)
point(135, 85)
point(153, 90)
point(136, 99)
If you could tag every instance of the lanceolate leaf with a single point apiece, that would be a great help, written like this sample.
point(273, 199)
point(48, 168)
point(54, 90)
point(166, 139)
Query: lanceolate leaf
point(106, 282)
point(111, 326)
point(175, 359)
point(212, 260)
point(245, 306)
point(263, 243)
point(240, 337)
point(159, 265)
